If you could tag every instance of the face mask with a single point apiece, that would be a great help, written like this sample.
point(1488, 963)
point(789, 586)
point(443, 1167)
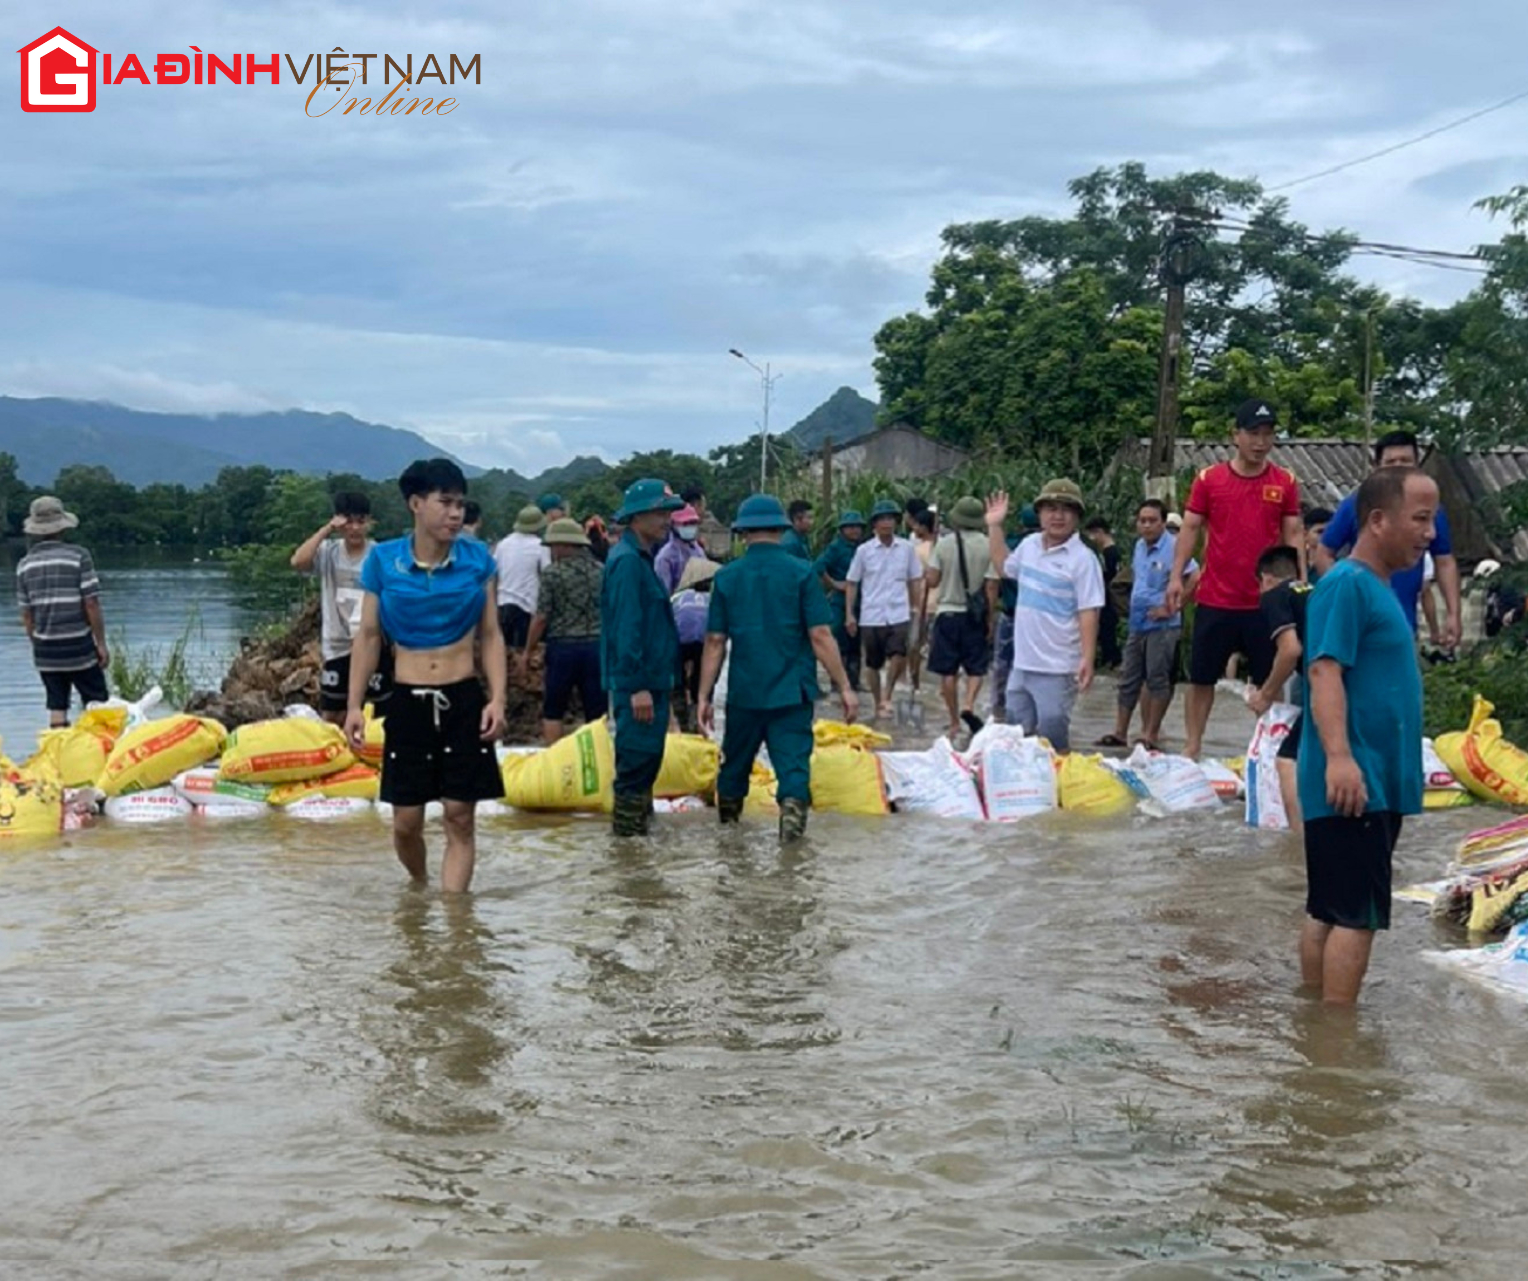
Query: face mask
point(687, 532)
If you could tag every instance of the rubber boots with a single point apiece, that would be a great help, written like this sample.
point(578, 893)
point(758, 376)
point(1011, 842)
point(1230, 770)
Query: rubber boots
point(729, 811)
point(632, 815)
point(793, 813)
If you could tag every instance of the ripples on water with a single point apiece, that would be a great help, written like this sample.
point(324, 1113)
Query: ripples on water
point(913, 1048)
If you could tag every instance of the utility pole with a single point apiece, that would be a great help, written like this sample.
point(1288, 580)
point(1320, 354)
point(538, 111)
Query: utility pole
point(1368, 381)
point(827, 480)
point(1180, 253)
point(768, 380)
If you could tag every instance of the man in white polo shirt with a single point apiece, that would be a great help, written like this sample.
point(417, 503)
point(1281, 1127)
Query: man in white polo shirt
point(1055, 622)
point(886, 579)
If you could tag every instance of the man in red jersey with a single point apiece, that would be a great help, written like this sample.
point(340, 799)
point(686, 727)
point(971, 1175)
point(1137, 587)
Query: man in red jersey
point(1243, 507)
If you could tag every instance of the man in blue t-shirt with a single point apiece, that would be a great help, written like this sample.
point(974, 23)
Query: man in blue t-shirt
point(1360, 770)
point(1400, 449)
point(433, 594)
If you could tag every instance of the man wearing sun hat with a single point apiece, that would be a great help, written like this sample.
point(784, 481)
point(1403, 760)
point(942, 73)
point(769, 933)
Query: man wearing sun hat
point(568, 616)
point(769, 606)
point(884, 594)
point(519, 558)
point(639, 651)
point(60, 599)
point(964, 584)
point(1055, 619)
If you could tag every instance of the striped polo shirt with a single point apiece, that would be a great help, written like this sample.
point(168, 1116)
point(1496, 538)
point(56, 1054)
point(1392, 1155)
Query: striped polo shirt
point(1055, 583)
point(53, 581)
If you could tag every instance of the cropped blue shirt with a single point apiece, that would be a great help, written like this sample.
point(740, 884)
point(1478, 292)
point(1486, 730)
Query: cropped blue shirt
point(428, 607)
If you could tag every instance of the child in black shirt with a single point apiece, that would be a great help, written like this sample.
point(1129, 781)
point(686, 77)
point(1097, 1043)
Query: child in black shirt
point(1283, 602)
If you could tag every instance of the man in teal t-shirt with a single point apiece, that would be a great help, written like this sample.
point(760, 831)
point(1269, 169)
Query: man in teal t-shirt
point(769, 605)
point(1360, 770)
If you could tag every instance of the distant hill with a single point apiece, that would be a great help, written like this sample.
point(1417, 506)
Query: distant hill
point(49, 434)
point(843, 416)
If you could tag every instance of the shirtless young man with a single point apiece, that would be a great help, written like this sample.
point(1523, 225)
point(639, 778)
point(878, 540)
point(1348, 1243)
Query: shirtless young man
point(433, 595)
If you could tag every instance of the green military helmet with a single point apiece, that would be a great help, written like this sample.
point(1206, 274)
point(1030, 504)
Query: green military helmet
point(761, 511)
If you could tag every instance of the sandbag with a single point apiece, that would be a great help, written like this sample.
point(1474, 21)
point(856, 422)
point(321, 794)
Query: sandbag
point(288, 749)
point(228, 807)
point(1015, 773)
point(690, 763)
point(206, 786)
point(370, 751)
point(934, 782)
point(847, 780)
point(827, 733)
point(355, 780)
point(1501, 965)
point(1085, 785)
point(31, 802)
point(1228, 784)
point(152, 805)
point(1489, 766)
point(153, 753)
point(1170, 784)
point(760, 801)
point(330, 807)
point(575, 773)
point(1265, 799)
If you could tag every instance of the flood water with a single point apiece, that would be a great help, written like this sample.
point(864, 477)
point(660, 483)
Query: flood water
point(912, 1048)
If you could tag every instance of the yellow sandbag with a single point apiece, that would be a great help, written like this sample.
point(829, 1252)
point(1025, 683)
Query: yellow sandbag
point(153, 753)
point(847, 780)
point(358, 781)
point(107, 721)
point(690, 763)
point(1492, 768)
point(1084, 784)
point(1445, 798)
point(286, 750)
point(77, 754)
point(761, 790)
point(575, 773)
point(31, 802)
point(371, 751)
point(825, 733)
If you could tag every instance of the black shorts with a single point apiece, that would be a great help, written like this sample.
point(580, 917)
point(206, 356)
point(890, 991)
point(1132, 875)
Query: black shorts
point(959, 644)
point(434, 749)
point(515, 623)
point(1347, 869)
point(1289, 749)
point(58, 686)
point(570, 665)
point(334, 683)
point(881, 643)
point(1219, 633)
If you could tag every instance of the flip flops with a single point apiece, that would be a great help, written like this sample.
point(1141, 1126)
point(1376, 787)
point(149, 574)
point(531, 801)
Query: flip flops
point(1111, 740)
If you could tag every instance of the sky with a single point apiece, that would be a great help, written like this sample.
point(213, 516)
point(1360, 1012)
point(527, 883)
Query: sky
point(560, 265)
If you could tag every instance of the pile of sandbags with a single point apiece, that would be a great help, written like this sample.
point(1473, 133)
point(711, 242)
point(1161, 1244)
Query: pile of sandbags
point(1480, 758)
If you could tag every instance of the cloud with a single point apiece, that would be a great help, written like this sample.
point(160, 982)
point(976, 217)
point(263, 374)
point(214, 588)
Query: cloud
point(560, 265)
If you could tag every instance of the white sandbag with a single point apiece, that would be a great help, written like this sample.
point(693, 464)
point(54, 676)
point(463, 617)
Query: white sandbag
point(204, 785)
point(494, 809)
point(1015, 772)
point(934, 782)
point(1171, 784)
point(1436, 776)
point(1226, 781)
point(1265, 799)
point(155, 805)
point(678, 805)
point(226, 808)
point(301, 711)
point(327, 807)
point(1503, 965)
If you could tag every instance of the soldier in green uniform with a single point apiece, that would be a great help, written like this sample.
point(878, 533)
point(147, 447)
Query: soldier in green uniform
point(639, 651)
point(769, 604)
point(833, 568)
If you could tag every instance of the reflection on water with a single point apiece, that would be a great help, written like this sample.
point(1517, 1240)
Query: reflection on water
point(909, 1048)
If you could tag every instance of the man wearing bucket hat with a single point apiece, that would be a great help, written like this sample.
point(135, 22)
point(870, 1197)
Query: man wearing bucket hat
point(60, 599)
point(520, 558)
point(885, 593)
point(833, 568)
point(568, 617)
point(768, 604)
point(1055, 620)
point(639, 651)
point(964, 583)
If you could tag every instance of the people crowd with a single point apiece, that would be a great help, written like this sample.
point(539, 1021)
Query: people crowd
point(646, 615)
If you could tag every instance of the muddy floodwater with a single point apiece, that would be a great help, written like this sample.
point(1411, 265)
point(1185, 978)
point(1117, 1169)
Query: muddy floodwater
point(912, 1048)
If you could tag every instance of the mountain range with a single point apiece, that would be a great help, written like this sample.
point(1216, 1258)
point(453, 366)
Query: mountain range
point(143, 447)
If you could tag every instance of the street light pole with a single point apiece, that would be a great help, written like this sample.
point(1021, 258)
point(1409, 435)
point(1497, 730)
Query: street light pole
point(768, 381)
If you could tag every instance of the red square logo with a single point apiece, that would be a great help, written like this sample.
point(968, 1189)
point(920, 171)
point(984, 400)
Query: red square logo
point(1273, 493)
point(58, 73)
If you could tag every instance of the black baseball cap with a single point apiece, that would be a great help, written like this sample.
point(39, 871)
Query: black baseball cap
point(1254, 413)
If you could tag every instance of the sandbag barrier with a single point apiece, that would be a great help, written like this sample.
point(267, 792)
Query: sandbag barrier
point(117, 761)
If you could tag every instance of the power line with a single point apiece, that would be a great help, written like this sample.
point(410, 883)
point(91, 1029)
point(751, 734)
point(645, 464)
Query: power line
point(1385, 151)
